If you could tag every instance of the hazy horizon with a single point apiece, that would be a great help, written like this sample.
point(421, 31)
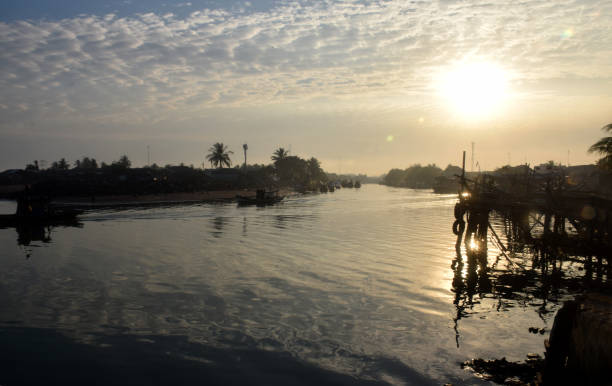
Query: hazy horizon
point(364, 86)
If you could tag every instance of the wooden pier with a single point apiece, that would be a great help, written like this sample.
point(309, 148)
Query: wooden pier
point(543, 227)
point(544, 213)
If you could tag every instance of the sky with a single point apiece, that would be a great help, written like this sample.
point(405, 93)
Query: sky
point(364, 86)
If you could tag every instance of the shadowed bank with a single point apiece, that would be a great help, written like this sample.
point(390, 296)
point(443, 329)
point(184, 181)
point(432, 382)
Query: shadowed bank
point(42, 356)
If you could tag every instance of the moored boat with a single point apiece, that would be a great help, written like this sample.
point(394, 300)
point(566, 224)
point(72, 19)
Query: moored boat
point(261, 197)
point(37, 210)
point(347, 183)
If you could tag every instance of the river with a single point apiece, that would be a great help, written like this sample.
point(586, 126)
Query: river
point(355, 286)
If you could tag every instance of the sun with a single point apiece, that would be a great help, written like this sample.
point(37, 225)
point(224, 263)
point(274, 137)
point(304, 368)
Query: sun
point(474, 90)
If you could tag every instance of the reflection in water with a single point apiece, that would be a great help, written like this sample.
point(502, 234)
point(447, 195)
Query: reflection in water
point(26, 233)
point(280, 222)
point(31, 232)
point(218, 223)
point(527, 269)
point(470, 280)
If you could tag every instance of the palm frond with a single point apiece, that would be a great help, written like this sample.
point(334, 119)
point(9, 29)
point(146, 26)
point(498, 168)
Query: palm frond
point(219, 155)
point(605, 162)
point(603, 146)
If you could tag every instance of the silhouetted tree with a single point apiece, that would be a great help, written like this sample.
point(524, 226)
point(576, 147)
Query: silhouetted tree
point(219, 155)
point(395, 177)
point(32, 166)
point(452, 170)
point(60, 165)
point(604, 147)
point(292, 170)
point(123, 163)
point(245, 147)
point(416, 176)
point(315, 173)
point(86, 163)
point(279, 154)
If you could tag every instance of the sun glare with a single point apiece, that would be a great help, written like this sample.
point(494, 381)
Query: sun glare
point(474, 90)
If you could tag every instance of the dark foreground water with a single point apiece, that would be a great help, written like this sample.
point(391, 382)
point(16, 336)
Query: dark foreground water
point(356, 286)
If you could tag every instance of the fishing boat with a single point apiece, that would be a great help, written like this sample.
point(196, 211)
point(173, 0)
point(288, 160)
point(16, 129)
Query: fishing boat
point(37, 210)
point(262, 197)
point(347, 183)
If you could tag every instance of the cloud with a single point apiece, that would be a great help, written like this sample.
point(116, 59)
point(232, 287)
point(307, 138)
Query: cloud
point(109, 68)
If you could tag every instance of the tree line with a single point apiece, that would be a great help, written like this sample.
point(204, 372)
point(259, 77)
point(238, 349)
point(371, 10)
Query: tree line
point(285, 169)
point(84, 163)
point(417, 176)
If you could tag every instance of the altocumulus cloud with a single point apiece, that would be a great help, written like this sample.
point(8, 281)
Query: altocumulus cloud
point(110, 68)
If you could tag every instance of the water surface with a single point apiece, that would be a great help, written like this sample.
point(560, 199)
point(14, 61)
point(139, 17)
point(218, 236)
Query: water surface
point(359, 285)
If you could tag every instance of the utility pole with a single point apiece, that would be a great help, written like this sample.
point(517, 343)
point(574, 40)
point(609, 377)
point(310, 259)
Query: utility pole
point(568, 154)
point(148, 156)
point(463, 171)
point(472, 169)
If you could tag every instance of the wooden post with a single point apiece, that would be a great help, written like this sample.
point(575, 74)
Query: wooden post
point(463, 174)
point(547, 221)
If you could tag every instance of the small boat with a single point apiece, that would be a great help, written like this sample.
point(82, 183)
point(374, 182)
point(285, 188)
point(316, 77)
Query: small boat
point(36, 210)
point(262, 197)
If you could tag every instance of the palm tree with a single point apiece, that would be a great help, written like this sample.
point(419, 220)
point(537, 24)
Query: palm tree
point(219, 155)
point(245, 147)
point(279, 154)
point(314, 169)
point(604, 147)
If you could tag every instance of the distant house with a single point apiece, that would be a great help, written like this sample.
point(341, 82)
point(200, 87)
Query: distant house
point(589, 178)
point(582, 169)
point(549, 168)
point(518, 170)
